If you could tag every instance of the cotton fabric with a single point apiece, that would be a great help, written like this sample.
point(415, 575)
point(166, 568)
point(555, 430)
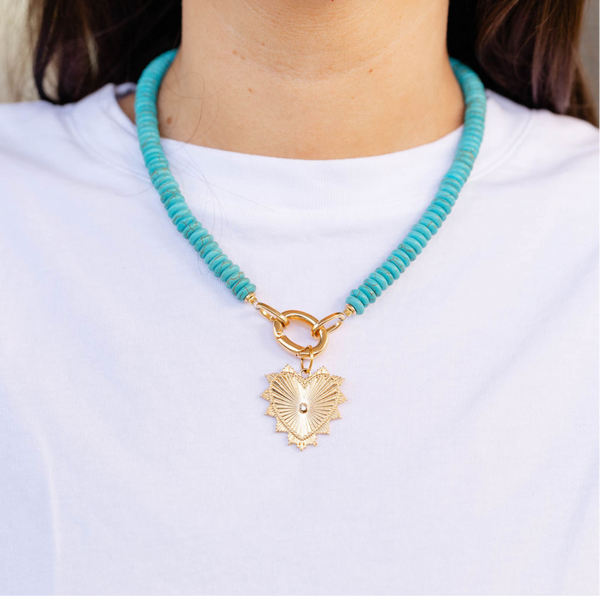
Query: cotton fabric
point(135, 456)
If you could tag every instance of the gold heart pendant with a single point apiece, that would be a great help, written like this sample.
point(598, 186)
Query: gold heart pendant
point(303, 407)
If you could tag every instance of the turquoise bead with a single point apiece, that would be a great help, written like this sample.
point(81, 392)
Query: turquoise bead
point(356, 304)
point(418, 237)
point(446, 196)
point(368, 292)
point(392, 268)
point(399, 259)
point(389, 277)
point(423, 230)
point(441, 213)
point(380, 280)
point(166, 185)
point(371, 283)
point(360, 296)
point(407, 249)
point(400, 254)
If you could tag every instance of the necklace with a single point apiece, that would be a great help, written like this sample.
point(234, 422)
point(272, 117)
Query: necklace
point(304, 404)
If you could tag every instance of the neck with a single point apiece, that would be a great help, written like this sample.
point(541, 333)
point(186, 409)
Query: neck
point(312, 79)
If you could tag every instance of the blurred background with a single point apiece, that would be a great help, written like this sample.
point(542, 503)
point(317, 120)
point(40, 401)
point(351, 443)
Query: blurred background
point(15, 58)
point(589, 46)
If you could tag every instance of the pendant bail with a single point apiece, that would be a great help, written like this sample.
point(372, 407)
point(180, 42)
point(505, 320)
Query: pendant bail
point(305, 370)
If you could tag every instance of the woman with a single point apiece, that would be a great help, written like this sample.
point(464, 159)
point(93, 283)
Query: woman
point(309, 138)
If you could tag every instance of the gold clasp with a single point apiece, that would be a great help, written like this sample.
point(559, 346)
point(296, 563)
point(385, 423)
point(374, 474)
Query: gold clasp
point(292, 346)
point(340, 316)
point(318, 328)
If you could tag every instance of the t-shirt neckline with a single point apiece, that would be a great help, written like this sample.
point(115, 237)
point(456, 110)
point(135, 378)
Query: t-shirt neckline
point(106, 130)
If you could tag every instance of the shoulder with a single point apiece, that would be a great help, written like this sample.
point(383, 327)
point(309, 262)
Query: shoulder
point(542, 143)
point(535, 186)
point(49, 147)
point(30, 126)
point(563, 142)
point(35, 137)
point(40, 136)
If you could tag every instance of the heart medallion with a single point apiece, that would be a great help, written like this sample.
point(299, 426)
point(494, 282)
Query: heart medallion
point(303, 407)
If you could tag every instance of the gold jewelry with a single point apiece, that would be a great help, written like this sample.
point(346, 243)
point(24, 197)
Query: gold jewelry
point(303, 406)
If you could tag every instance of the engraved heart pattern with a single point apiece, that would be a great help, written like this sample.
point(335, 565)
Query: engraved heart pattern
point(303, 407)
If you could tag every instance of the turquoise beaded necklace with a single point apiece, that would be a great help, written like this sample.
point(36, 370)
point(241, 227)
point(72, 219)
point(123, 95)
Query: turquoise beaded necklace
point(304, 405)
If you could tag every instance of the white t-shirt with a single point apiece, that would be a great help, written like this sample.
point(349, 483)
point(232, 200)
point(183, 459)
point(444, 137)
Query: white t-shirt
point(135, 454)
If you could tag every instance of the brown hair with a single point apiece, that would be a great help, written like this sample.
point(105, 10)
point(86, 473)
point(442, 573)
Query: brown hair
point(527, 50)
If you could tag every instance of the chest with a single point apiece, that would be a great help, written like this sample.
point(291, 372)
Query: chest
point(142, 379)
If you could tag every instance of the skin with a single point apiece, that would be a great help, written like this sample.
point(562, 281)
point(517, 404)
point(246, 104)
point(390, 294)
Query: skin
point(310, 79)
